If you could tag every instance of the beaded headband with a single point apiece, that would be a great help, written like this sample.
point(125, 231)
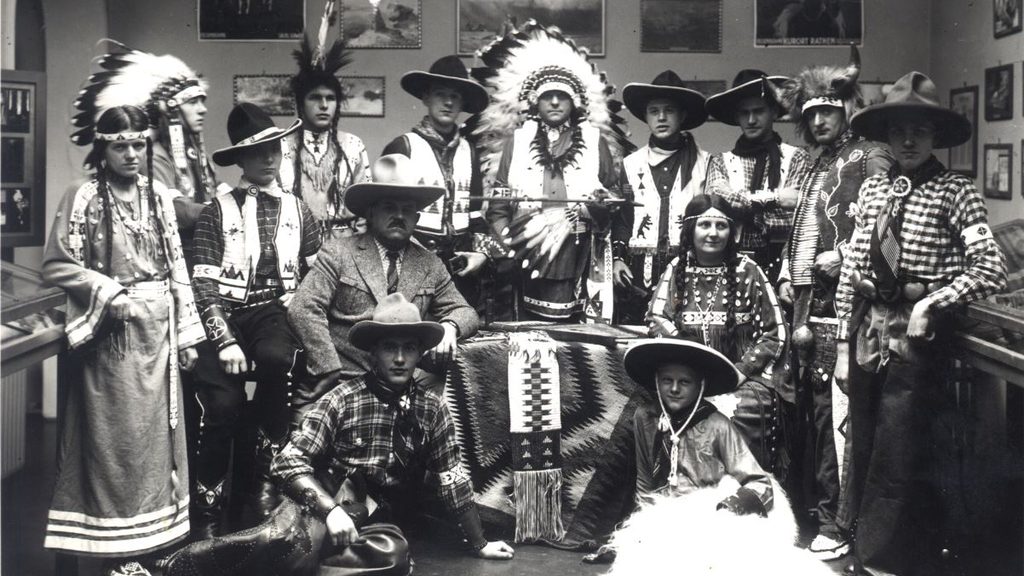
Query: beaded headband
point(121, 136)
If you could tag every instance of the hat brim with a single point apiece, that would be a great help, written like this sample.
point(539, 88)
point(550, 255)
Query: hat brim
point(722, 106)
point(364, 335)
point(227, 156)
point(359, 197)
point(951, 128)
point(642, 360)
point(636, 97)
point(474, 96)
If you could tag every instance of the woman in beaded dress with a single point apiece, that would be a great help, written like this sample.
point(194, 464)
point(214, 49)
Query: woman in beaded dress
point(711, 294)
point(122, 480)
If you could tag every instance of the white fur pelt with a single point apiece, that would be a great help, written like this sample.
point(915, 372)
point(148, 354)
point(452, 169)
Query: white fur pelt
point(686, 536)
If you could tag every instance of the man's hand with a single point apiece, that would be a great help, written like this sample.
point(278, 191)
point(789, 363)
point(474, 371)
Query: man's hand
point(842, 369)
point(341, 528)
point(121, 307)
point(828, 264)
point(498, 550)
point(232, 359)
point(187, 358)
point(786, 292)
point(919, 325)
point(446, 350)
point(474, 262)
point(787, 197)
point(621, 274)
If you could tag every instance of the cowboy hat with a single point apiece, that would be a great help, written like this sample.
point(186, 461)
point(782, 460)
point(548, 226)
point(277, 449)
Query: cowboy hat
point(749, 82)
point(449, 71)
point(248, 126)
point(642, 360)
point(666, 85)
point(913, 93)
point(395, 177)
point(395, 316)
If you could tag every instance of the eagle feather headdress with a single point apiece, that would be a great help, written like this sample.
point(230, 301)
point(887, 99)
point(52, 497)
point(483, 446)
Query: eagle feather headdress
point(320, 64)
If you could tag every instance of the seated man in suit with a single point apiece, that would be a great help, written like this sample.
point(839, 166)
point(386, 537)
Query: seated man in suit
point(352, 275)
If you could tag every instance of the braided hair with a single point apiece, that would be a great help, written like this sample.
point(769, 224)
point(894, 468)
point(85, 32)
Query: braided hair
point(700, 204)
point(302, 89)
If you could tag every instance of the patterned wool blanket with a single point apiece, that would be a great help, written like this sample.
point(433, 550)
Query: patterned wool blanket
point(597, 401)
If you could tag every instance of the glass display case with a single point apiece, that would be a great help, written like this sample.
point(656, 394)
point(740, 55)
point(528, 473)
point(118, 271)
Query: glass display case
point(31, 318)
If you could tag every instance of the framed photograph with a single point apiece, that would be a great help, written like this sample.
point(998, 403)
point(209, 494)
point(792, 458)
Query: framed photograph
point(964, 158)
point(251, 20)
point(270, 92)
point(22, 158)
point(808, 23)
point(381, 23)
point(999, 92)
point(1006, 17)
point(998, 161)
point(364, 96)
point(479, 22)
point(874, 92)
point(680, 25)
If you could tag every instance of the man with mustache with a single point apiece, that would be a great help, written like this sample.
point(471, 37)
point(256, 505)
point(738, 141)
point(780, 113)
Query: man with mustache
point(353, 274)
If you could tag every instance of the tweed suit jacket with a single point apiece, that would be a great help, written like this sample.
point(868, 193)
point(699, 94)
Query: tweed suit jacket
point(345, 285)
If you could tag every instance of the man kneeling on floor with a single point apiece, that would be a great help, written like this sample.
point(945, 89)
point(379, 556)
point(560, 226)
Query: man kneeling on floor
point(379, 436)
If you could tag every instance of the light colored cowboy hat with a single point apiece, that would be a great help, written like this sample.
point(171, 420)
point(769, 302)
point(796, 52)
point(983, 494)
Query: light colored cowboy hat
point(395, 177)
point(670, 86)
point(395, 316)
point(248, 126)
point(449, 71)
point(914, 93)
point(749, 82)
point(642, 360)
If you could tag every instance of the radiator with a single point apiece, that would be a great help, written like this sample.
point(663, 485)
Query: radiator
point(12, 422)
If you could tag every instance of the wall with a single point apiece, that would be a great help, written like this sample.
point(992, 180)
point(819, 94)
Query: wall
point(963, 45)
point(169, 27)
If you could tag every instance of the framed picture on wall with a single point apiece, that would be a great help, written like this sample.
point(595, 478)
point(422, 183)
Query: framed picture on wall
point(1006, 17)
point(270, 92)
point(999, 92)
point(680, 25)
point(964, 158)
point(364, 96)
point(479, 22)
point(808, 23)
point(998, 176)
point(381, 23)
point(251, 20)
point(22, 158)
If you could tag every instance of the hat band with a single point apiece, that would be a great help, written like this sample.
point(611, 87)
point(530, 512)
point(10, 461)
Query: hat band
point(121, 136)
point(821, 101)
point(257, 136)
point(188, 93)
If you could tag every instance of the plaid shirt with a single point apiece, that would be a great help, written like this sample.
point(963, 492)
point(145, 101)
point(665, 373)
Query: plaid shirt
point(945, 237)
point(351, 429)
point(769, 222)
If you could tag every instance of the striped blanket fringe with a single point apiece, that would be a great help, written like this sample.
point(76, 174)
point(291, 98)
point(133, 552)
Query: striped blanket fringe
point(538, 497)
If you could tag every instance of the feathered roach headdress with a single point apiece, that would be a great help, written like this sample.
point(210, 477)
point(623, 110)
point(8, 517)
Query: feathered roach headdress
point(821, 85)
point(318, 66)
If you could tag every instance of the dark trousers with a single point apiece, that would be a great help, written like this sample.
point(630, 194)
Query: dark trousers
point(820, 440)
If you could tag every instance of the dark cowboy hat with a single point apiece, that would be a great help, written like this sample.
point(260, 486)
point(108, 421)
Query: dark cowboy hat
point(666, 85)
point(395, 316)
point(914, 93)
point(642, 360)
point(395, 177)
point(449, 71)
point(722, 106)
point(248, 126)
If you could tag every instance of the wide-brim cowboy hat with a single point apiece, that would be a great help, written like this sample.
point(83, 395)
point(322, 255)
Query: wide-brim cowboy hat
point(395, 317)
point(914, 93)
point(667, 85)
point(722, 106)
point(449, 71)
point(248, 126)
point(642, 360)
point(395, 177)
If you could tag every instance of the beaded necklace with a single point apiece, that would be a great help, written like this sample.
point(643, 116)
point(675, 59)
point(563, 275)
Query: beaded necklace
point(712, 295)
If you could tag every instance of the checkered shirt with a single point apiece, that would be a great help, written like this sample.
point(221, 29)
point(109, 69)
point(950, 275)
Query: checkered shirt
point(945, 237)
point(351, 429)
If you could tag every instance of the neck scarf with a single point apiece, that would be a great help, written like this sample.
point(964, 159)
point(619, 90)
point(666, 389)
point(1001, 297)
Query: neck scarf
point(407, 436)
point(767, 155)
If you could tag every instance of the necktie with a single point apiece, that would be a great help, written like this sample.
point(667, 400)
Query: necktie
point(392, 271)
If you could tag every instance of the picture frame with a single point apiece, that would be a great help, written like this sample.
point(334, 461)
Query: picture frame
point(479, 22)
point(250, 20)
point(22, 158)
point(964, 158)
point(781, 23)
point(271, 92)
point(998, 183)
point(999, 92)
point(1006, 17)
point(382, 23)
point(681, 26)
point(364, 96)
